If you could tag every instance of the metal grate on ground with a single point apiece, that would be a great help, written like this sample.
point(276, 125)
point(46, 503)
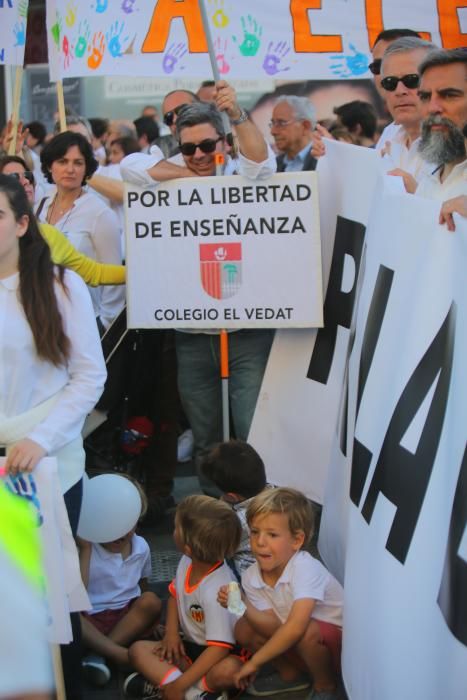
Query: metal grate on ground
point(164, 565)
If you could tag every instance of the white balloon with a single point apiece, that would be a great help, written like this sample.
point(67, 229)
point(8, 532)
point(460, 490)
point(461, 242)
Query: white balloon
point(111, 508)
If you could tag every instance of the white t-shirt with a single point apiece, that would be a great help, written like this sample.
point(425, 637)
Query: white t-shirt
point(94, 230)
point(27, 380)
point(453, 186)
point(303, 577)
point(201, 618)
point(114, 581)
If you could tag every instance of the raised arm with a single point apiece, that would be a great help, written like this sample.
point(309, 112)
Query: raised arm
point(250, 140)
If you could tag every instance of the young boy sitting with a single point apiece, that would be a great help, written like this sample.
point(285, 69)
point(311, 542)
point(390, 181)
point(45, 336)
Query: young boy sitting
point(293, 611)
point(202, 664)
point(114, 574)
point(238, 471)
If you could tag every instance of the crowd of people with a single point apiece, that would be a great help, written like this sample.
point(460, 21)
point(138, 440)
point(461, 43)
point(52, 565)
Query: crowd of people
point(62, 228)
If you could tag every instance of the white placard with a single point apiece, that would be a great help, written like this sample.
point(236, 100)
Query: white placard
point(64, 590)
point(13, 22)
point(297, 41)
point(224, 252)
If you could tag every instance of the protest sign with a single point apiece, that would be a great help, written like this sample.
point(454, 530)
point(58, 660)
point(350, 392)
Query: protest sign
point(297, 409)
point(13, 20)
point(64, 590)
point(224, 252)
point(301, 39)
point(403, 437)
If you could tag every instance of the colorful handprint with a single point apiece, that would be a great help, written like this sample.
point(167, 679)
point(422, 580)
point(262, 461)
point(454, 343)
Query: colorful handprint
point(84, 33)
point(23, 8)
point(101, 6)
point(19, 30)
point(67, 56)
point(96, 51)
point(114, 39)
point(251, 40)
point(274, 56)
point(350, 65)
point(220, 47)
point(24, 485)
point(128, 6)
point(174, 53)
point(70, 17)
point(56, 30)
point(219, 19)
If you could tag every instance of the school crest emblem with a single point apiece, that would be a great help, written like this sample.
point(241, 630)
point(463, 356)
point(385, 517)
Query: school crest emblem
point(197, 613)
point(221, 268)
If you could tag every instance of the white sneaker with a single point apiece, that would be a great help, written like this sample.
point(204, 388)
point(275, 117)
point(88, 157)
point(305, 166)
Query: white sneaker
point(185, 446)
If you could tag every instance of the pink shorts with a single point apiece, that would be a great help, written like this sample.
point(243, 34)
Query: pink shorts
point(106, 620)
point(331, 636)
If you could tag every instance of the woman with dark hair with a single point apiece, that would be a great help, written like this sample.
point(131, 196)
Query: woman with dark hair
point(52, 370)
point(61, 250)
point(68, 161)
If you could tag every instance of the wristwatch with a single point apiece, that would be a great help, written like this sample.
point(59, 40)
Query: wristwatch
point(242, 118)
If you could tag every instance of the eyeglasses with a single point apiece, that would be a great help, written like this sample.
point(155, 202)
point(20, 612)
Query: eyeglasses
point(169, 117)
point(411, 81)
point(281, 123)
point(375, 67)
point(27, 175)
point(206, 146)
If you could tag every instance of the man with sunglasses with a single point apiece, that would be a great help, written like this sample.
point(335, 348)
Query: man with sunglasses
point(400, 81)
point(201, 136)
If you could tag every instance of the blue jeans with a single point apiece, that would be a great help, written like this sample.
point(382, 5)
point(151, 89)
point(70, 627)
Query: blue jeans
point(199, 383)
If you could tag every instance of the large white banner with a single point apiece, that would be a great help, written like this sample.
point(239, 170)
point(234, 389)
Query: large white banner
point(405, 613)
point(225, 252)
point(64, 590)
point(296, 415)
point(284, 39)
point(13, 21)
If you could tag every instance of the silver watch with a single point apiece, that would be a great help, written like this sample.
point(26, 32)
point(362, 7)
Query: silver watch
point(242, 118)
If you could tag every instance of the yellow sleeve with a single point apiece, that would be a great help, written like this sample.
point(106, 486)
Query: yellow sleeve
point(64, 253)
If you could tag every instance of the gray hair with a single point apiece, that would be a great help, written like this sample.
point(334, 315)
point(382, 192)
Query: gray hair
point(199, 113)
point(443, 57)
point(406, 44)
point(302, 107)
point(73, 120)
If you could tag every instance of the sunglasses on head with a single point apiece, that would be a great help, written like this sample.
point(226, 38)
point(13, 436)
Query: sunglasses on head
point(168, 117)
point(28, 175)
point(207, 146)
point(411, 81)
point(375, 66)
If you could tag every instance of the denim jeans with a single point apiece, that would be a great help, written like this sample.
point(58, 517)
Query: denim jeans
point(199, 383)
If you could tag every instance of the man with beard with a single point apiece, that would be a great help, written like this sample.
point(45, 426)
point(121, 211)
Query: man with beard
point(443, 93)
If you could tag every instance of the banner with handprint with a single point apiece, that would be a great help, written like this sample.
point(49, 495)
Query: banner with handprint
point(246, 254)
point(13, 21)
point(63, 587)
point(299, 39)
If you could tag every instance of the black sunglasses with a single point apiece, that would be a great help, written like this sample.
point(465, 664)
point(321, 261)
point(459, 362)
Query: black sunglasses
point(411, 81)
point(168, 117)
point(207, 146)
point(28, 175)
point(375, 67)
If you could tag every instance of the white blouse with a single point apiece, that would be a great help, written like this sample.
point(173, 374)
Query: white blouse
point(93, 228)
point(27, 380)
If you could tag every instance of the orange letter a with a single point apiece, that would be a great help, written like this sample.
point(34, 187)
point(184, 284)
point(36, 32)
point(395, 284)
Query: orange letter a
point(164, 12)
